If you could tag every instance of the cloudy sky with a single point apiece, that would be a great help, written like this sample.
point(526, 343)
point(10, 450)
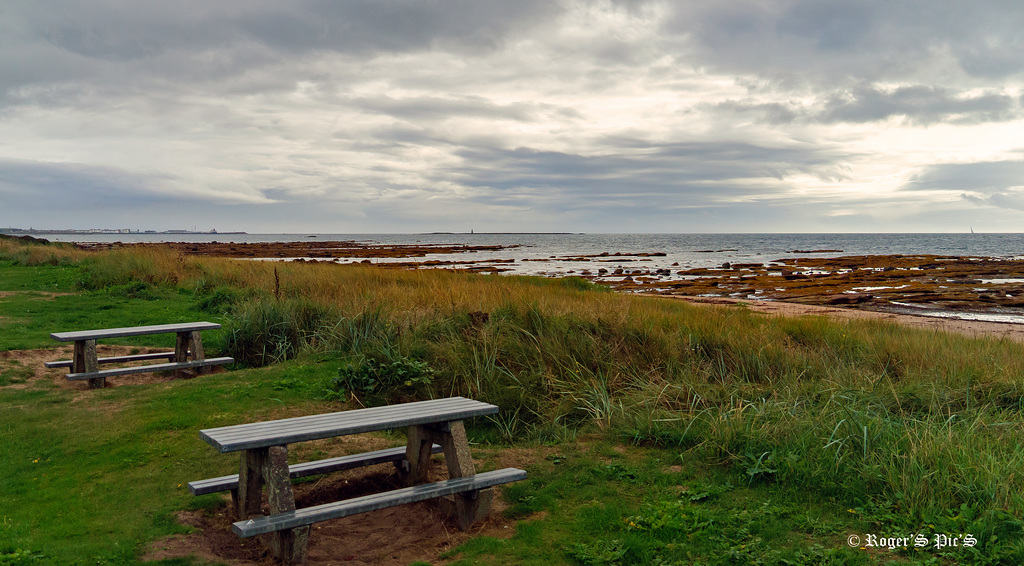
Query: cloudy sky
point(521, 115)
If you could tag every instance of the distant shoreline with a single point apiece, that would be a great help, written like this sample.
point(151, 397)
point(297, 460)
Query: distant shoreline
point(32, 231)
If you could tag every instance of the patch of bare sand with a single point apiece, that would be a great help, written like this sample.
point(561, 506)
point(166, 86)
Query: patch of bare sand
point(971, 328)
point(35, 359)
point(42, 294)
point(397, 535)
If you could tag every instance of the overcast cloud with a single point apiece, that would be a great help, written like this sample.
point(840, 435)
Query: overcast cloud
point(405, 116)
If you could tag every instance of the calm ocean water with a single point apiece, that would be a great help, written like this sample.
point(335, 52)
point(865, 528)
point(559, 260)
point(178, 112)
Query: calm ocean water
point(687, 250)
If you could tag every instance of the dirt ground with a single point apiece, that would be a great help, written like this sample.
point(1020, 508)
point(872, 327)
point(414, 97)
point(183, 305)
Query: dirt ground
point(34, 360)
point(397, 535)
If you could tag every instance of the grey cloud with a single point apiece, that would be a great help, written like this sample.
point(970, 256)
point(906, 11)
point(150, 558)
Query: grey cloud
point(432, 107)
point(77, 186)
point(44, 184)
point(1006, 200)
point(670, 174)
point(770, 112)
point(918, 104)
point(393, 25)
point(829, 27)
point(983, 177)
point(393, 92)
point(116, 30)
point(121, 31)
point(120, 47)
point(826, 42)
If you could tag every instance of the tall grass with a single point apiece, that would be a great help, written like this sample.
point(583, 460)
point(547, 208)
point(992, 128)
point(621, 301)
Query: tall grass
point(25, 253)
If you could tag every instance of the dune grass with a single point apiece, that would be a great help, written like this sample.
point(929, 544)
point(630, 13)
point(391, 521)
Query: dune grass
point(908, 430)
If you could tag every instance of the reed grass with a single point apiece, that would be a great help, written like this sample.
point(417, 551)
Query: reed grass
point(25, 253)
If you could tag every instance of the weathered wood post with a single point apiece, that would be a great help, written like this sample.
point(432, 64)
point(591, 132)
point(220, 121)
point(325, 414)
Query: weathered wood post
point(417, 454)
point(469, 507)
point(287, 545)
point(195, 350)
point(181, 341)
point(249, 496)
point(84, 360)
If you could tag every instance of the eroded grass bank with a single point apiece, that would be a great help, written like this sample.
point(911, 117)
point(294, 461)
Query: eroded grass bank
point(920, 429)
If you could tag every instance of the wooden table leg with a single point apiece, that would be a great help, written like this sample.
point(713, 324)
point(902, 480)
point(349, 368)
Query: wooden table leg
point(84, 360)
point(181, 341)
point(269, 466)
point(249, 496)
point(195, 349)
point(417, 454)
point(288, 545)
point(470, 507)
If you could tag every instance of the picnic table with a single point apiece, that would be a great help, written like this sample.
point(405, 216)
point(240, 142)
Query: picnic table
point(432, 426)
point(188, 354)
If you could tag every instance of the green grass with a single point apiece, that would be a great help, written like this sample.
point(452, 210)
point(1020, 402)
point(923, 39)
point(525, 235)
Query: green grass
point(68, 463)
point(13, 371)
point(789, 434)
point(35, 302)
point(591, 505)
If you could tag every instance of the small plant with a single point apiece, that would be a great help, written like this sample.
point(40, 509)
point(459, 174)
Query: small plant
point(17, 557)
point(758, 467)
point(379, 379)
point(598, 553)
point(671, 516)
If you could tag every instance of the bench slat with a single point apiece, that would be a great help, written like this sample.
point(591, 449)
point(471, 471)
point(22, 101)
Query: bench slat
point(225, 483)
point(327, 511)
point(116, 359)
point(132, 331)
point(147, 369)
point(312, 427)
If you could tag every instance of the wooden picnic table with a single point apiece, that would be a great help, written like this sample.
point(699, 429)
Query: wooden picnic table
point(188, 343)
point(264, 461)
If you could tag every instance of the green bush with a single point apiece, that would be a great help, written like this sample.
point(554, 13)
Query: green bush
point(380, 380)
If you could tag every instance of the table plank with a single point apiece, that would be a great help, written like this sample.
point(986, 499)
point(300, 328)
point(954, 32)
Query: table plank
point(132, 331)
point(312, 427)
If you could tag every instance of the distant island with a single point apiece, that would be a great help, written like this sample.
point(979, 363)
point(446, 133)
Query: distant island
point(109, 231)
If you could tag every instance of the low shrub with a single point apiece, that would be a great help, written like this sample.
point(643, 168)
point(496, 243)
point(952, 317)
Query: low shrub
point(380, 380)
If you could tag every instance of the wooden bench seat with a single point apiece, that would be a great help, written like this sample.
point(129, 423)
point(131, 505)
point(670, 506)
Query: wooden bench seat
point(117, 359)
point(228, 483)
point(114, 372)
point(309, 515)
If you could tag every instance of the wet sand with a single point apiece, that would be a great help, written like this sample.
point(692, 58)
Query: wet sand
point(971, 328)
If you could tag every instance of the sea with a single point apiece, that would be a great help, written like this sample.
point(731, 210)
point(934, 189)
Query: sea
point(549, 253)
